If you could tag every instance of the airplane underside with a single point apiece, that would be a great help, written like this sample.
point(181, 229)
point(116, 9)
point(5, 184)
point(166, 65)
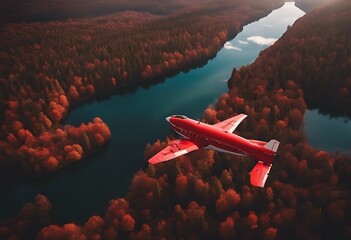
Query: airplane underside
point(224, 151)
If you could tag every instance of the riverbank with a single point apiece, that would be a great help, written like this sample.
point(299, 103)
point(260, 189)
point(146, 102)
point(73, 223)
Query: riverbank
point(187, 93)
point(55, 66)
point(207, 195)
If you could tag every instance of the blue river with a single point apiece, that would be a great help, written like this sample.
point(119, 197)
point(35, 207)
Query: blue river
point(138, 118)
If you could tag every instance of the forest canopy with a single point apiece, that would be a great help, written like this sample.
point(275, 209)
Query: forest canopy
point(206, 194)
point(49, 67)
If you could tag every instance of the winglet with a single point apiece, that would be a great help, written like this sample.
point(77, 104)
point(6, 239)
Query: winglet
point(259, 174)
point(272, 145)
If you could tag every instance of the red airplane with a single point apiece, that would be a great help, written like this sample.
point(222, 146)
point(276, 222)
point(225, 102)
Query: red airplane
point(219, 137)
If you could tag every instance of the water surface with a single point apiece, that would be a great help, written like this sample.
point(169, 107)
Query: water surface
point(327, 132)
point(139, 118)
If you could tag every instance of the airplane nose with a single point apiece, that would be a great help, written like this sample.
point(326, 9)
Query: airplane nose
point(167, 118)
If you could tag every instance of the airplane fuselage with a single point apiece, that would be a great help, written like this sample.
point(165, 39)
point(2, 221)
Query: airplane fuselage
point(219, 137)
point(215, 138)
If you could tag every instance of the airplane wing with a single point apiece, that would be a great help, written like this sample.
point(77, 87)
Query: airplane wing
point(175, 149)
point(259, 174)
point(230, 124)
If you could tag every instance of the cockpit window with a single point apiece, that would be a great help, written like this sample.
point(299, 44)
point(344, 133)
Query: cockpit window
point(180, 116)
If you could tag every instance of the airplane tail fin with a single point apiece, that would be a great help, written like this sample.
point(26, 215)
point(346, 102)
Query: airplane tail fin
point(272, 145)
point(259, 174)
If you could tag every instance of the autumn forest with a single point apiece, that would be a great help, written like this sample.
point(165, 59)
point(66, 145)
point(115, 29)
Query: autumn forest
point(59, 55)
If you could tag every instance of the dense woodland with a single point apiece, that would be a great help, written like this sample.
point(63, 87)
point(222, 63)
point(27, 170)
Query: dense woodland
point(315, 54)
point(38, 11)
point(206, 194)
point(49, 10)
point(309, 5)
point(47, 68)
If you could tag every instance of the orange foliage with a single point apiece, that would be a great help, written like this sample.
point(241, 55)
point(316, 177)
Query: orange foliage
point(270, 234)
point(41, 78)
point(307, 193)
point(227, 201)
point(181, 185)
point(226, 228)
point(127, 223)
point(26, 224)
point(252, 220)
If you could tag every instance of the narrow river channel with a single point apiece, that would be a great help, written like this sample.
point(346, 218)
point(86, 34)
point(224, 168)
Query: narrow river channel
point(138, 118)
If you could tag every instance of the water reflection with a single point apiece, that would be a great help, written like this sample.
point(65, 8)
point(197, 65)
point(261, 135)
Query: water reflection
point(326, 132)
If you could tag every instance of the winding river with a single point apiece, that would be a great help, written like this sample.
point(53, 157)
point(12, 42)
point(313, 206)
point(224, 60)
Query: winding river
point(138, 118)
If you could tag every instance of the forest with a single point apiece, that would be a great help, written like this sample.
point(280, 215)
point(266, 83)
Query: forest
point(206, 194)
point(309, 5)
point(315, 54)
point(48, 68)
point(50, 10)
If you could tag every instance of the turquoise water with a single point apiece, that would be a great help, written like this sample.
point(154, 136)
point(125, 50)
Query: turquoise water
point(326, 132)
point(138, 118)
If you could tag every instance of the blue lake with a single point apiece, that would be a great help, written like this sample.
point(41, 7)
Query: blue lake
point(138, 118)
point(328, 133)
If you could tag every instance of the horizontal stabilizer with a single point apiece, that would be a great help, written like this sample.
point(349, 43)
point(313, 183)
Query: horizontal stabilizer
point(259, 174)
point(272, 145)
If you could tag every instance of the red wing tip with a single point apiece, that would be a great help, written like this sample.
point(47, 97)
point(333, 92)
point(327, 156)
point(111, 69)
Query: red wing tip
point(257, 183)
point(153, 161)
point(156, 159)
